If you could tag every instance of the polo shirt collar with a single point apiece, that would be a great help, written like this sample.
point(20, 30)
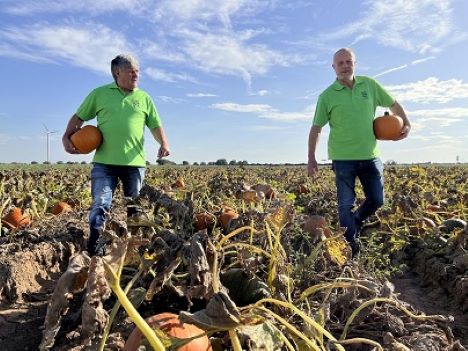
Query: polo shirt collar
point(114, 85)
point(338, 86)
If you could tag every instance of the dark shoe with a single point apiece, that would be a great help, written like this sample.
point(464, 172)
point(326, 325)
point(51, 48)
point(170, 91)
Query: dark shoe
point(355, 249)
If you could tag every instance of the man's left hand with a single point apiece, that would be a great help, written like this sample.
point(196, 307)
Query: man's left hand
point(404, 132)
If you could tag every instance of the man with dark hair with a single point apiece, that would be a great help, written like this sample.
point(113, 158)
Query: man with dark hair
point(122, 111)
point(348, 106)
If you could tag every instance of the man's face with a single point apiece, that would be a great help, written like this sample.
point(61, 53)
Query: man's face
point(343, 64)
point(127, 77)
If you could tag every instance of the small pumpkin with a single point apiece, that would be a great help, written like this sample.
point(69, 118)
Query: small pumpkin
point(203, 220)
point(179, 183)
point(226, 217)
point(86, 139)
point(303, 189)
point(388, 127)
point(16, 219)
point(61, 207)
point(170, 324)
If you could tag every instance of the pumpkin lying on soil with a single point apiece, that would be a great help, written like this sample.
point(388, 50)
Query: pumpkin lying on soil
point(203, 220)
point(61, 207)
point(170, 324)
point(16, 219)
point(227, 216)
point(179, 183)
point(303, 189)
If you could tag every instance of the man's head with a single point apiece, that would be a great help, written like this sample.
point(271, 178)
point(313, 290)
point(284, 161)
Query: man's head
point(343, 64)
point(125, 70)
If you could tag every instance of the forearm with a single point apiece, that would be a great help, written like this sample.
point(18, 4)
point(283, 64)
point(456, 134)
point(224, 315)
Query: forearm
point(73, 125)
point(314, 135)
point(397, 109)
point(159, 135)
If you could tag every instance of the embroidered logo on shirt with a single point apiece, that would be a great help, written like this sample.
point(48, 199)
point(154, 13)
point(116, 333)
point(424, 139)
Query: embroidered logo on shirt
point(364, 94)
point(136, 104)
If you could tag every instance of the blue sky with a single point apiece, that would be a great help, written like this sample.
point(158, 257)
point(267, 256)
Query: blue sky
point(234, 79)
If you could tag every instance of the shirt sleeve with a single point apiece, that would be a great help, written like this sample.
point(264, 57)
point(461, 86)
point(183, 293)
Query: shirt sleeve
point(321, 116)
point(87, 109)
point(383, 98)
point(152, 118)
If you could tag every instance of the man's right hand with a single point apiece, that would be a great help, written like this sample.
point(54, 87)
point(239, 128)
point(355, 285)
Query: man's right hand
point(312, 168)
point(68, 146)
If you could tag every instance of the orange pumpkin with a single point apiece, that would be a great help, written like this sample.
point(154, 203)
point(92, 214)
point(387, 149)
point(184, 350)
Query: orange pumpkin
point(61, 207)
point(170, 324)
point(203, 220)
point(226, 217)
point(179, 183)
point(303, 189)
point(86, 139)
point(16, 219)
point(388, 127)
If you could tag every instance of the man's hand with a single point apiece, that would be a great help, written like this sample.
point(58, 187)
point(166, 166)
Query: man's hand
point(404, 132)
point(68, 145)
point(163, 151)
point(312, 168)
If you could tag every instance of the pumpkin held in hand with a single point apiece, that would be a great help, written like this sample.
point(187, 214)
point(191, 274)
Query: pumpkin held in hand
point(170, 324)
point(86, 139)
point(388, 127)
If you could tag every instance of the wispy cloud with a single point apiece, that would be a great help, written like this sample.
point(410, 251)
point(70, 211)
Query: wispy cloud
point(91, 46)
point(267, 111)
point(415, 62)
point(430, 90)
point(200, 95)
point(168, 99)
point(159, 74)
point(415, 26)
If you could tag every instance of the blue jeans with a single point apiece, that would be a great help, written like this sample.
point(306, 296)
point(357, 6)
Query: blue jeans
point(370, 174)
point(104, 180)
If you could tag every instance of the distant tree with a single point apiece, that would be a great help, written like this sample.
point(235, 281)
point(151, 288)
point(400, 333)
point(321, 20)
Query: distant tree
point(221, 162)
point(202, 163)
point(84, 162)
point(242, 163)
point(186, 163)
point(60, 162)
point(46, 163)
point(195, 163)
point(162, 162)
point(391, 163)
point(34, 162)
point(232, 162)
point(148, 163)
point(211, 163)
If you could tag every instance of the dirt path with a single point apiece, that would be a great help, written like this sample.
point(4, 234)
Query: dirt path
point(426, 299)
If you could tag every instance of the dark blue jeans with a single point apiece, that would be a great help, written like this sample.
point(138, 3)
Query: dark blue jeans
point(370, 174)
point(104, 180)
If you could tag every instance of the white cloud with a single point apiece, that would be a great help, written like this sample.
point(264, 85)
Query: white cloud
point(415, 62)
point(430, 90)
point(200, 95)
point(416, 26)
point(267, 111)
point(92, 46)
point(159, 74)
point(229, 54)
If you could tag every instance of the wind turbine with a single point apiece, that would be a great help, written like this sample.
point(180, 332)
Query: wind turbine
point(48, 132)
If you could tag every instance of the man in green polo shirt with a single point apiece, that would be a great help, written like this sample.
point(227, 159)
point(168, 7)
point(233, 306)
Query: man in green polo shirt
point(122, 111)
point(348, 106)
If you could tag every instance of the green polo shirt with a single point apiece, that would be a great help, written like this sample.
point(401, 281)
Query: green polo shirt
point(121, 119)
point(350, 113)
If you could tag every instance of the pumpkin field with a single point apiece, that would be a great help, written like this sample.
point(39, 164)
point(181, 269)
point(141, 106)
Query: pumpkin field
point(233, 258)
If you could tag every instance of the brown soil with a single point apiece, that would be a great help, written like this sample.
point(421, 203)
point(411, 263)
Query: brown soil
point(430, 301)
